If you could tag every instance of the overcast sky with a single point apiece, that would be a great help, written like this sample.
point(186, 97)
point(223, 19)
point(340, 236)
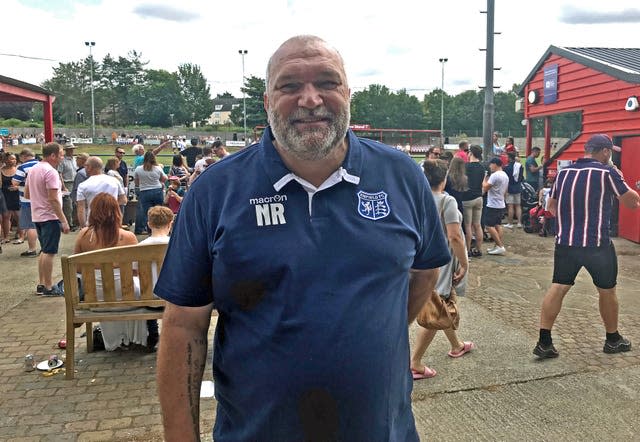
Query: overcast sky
point(395, 43)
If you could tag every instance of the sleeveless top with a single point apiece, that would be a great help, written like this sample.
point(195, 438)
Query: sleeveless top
point(11, 197)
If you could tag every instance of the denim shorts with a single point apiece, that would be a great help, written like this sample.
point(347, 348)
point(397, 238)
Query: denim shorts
point(25, 217)
point(49, 236)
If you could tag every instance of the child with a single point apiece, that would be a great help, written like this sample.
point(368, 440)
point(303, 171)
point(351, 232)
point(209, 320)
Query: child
point(540, 215)
point(159, 220)
point(174, 195)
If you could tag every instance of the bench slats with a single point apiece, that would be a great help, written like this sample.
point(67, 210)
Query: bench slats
point(146, 282)
point(108, 282)
point(126, 281)
point(88, 283)
point(91, 309)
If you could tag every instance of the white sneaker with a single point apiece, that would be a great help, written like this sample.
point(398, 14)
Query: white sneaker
point(490, 249)
point(497, 251)
point(519, 226)
point(508, 226)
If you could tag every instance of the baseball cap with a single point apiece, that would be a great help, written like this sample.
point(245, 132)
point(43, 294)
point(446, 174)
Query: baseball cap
point(599, 142)
point(496, 161)
point(173, 177)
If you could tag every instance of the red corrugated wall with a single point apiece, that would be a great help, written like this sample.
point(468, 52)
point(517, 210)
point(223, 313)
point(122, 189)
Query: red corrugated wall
point(600, 97)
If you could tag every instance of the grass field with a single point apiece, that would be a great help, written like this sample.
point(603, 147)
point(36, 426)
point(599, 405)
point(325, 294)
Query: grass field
point(106, 151)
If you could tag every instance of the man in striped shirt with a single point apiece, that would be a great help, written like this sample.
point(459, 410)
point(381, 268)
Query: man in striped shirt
point(582, 199)
point(28, 160)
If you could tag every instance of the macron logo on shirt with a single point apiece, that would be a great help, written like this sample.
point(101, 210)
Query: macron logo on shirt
point(269, 210)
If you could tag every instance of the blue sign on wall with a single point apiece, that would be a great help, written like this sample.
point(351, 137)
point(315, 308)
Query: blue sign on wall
point(550, 84)
point(4, 132)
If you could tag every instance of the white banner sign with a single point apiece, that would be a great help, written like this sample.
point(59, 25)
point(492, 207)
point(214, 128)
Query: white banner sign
point(82, 140)
point(27, 141)
point(124, 140)
point(152, 142)
point(234, 143)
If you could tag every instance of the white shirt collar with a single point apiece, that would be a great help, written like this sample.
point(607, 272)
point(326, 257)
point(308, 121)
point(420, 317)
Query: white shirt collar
point(332, 180)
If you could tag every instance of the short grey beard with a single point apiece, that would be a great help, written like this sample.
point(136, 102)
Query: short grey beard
point(312, 145)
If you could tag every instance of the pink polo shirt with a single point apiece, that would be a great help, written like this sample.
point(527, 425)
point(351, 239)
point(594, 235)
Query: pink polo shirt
point(41, 178)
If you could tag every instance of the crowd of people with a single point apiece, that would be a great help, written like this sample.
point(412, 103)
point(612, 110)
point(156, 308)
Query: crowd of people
point(488, 191)
point(58, 191)
point(320, 261)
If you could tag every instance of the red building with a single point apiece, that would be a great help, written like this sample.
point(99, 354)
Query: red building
point(603, 86)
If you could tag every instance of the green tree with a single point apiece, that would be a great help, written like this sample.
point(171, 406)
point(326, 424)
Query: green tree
point(506, 119)
point(162, 98)
point(122, 82)
point(225, 95)
point(463, 113)
point(70, 83)
point(379, 107)
point(254, 89)
point(431, 105)
point(196, 96)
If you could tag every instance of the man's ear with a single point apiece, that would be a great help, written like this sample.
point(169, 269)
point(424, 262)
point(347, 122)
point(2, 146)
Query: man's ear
point(265, 101)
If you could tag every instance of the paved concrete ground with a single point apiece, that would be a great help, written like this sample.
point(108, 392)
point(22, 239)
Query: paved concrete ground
point(498, 392)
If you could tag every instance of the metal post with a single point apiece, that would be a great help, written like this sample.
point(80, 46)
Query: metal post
point(442, 62)
point(244, 52)
point(489, 107)
point(91, 44)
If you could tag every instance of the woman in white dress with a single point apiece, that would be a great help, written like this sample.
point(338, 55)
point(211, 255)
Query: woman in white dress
point(104, 231)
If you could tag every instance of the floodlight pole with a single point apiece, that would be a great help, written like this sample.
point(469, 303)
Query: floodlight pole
point(244, 52)
point(91, 44)
point(442, 62)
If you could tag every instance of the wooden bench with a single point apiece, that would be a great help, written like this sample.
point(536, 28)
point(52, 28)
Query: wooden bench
point(129, 307)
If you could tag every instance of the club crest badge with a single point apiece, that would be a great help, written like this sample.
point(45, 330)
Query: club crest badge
point(373, 205)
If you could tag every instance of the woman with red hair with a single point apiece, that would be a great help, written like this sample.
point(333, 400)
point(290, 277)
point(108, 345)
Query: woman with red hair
point(103, 231)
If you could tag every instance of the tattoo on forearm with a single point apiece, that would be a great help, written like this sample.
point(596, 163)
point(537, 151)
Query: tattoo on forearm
point(196, 359)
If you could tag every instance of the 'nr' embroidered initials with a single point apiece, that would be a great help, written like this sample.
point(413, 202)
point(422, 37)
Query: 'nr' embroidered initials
point(270, 214)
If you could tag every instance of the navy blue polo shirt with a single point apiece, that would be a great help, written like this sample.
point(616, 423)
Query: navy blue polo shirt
point(311, 290)
point(585, 191)
point(123, 170)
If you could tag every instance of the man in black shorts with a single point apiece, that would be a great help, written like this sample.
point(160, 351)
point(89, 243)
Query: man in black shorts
point(495, 185)
point(581, 199)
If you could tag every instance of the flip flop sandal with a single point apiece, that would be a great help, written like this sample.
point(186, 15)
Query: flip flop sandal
point(466, 348)
point(426, 374)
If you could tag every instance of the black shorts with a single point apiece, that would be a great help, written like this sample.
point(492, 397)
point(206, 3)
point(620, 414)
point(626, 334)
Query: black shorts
point(493, 217)
point(49, 236)
point(600, 262)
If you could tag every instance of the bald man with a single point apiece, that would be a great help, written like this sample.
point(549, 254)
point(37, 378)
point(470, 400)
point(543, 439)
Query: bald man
point(315, 265)
point(97, 182)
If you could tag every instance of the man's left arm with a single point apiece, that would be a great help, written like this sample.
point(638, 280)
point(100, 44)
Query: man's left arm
point(625, 194)
point(421, 284)
point(63, 187)
point(122, 196)
point(486, 184)
point(52, 196)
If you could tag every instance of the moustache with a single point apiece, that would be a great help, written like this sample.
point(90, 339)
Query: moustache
point(305, 114)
